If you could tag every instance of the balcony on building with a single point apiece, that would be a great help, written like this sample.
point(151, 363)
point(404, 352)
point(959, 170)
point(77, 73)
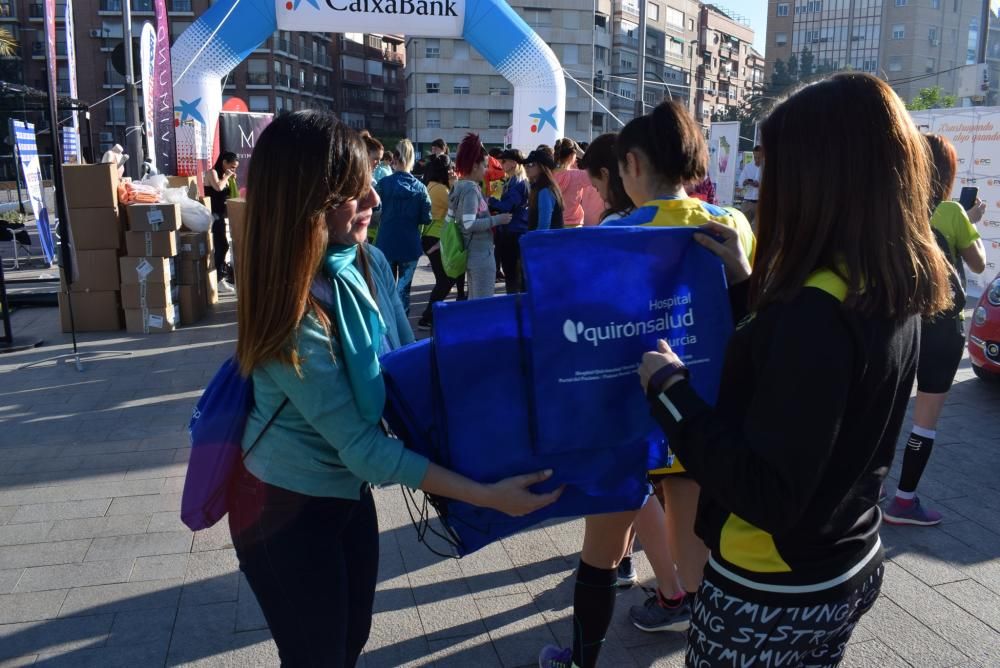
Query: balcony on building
point(36, 11)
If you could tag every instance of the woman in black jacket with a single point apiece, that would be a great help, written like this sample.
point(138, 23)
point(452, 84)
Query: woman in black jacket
point(816, 380)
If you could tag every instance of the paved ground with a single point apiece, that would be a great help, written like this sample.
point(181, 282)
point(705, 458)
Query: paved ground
point(97, 570)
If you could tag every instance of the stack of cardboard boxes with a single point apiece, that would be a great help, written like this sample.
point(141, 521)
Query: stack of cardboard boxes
point(150, 290)
point(98, 236)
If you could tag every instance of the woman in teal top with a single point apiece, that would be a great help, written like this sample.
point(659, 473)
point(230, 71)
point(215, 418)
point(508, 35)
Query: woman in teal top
point(317, 306)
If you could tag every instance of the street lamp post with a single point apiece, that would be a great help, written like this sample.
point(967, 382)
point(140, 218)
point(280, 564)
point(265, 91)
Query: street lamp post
point(640, 87)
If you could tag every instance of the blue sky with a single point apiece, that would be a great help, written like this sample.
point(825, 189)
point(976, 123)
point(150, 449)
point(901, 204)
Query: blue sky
point(756, 11)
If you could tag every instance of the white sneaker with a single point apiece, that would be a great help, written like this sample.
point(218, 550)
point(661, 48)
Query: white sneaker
point(227, 287)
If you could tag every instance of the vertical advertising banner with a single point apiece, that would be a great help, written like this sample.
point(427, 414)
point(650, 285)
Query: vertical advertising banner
point(975, 134)
point(724, 160)
point(50, 45)
point(238, 133)
point(147, 63)
point(71, 62)
point(163, 96)
point(27, 154)
point(71, 146)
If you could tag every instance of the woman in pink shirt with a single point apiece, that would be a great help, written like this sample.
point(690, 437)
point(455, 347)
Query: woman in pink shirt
point(583, 205)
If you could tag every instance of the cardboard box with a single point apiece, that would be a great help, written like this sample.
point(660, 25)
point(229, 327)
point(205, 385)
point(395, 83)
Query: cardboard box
point(92, 311)
point(193, 245)
point(97, 271)
point(211, 287)
point(193, 272)
point(151, 321)
point(237, 211)
point(153, 217)
point(151, 244)
point(96, 229)
point(150, 295)
point(189, 182)
point(91, 186)
point(192, 303)
point(135, 270)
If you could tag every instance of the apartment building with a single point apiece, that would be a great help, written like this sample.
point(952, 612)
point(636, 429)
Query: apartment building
point(730, 71)
point(451, 89)
point(913, 44)
point(357, 75)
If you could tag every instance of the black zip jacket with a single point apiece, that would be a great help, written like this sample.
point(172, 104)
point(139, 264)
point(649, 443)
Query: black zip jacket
point(791, 460)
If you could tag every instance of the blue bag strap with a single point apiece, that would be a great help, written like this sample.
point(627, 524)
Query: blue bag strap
point(266, 427)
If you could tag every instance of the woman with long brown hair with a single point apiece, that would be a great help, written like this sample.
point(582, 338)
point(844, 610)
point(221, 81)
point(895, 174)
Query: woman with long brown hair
point(545, 201)
point(942, 337)
point(317, 305)
point(816, 380)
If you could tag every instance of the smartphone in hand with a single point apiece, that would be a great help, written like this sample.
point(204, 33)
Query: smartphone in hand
point(968, 198)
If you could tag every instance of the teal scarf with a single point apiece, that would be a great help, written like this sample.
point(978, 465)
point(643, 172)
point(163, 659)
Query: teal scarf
point(361, 329)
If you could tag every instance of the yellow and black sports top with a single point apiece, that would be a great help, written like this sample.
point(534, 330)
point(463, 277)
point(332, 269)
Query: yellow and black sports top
point(791, 459)
point(687, 212)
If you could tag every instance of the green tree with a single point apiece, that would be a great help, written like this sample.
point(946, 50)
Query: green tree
point(807, 64)
point(793, 68)
point(931, 98)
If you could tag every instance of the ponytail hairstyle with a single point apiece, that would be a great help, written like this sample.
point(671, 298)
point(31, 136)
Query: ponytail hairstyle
point(471, 152)
point(565, 152)
point(404, 153)
point(437, 169)
point(601, 156)
point(671, 141)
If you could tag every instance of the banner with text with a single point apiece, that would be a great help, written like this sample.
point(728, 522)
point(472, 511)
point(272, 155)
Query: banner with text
point(71, 146)
point(27, 154)
point(975, 134)
point(71, 63)
point(723, 147)
point(238, 132)
point(147, 63)
point(163, 95)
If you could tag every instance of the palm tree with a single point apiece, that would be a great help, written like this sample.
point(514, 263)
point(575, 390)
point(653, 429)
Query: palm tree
point(8, 45)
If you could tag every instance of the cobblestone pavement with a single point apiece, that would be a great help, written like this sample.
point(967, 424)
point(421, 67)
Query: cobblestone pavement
point(96, 568)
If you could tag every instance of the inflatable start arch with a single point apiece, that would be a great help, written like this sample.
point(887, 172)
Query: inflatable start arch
point(231, 29)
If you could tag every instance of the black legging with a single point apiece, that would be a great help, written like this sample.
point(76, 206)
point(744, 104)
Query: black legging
point(221, 243)
point(443, 283)
point(508, 250)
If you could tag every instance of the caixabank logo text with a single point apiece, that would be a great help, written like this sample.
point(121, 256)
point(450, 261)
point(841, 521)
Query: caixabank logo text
point(386, 7)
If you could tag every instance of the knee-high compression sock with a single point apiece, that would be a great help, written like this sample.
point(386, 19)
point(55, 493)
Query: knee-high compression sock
point(915, 458)
point(593, 607)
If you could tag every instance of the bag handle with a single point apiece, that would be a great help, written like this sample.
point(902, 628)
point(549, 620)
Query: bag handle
point(266, 427)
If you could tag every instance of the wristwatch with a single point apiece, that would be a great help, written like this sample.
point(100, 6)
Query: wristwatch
point(662, 375)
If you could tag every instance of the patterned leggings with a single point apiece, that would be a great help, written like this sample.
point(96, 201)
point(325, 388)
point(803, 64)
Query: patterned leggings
point(727, 630)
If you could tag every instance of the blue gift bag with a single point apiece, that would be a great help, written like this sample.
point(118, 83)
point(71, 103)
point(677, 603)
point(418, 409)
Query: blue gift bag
point(600, 298)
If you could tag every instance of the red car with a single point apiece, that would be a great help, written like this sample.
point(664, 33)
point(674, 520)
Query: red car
point(984, 335)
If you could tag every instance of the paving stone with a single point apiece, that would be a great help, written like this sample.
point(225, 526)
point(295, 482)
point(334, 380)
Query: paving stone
point(8, 579)
point(86, 487)
point(43, 554)
point(53, 635)
point(151, 654)
point(31, 606)
point(249, 616)
point(154, 503)
point(126, 597)
point(21, 534)
point(62, 510)
point(6, 513)
point(476, 651)
point(872, 654)
point(20, 661)
point(974, 599)
point(159, 567)
point(151, 626)
point(518, 631)
point(396, 637)
point(98, 527)
point(202, 631)
point(213, 538)
point(141, 545)
point(211, 577)
point(66, 576)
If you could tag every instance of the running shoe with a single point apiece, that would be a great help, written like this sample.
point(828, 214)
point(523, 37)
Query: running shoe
point(626, 573)
point(226, 287)
point(910, 512)
point(555, 657)
point(652, 616)
point(424, 325)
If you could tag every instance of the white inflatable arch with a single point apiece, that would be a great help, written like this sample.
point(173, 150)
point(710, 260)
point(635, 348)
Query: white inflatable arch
point(231, 29)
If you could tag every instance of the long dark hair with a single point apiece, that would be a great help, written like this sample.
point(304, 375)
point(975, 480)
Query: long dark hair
point(671, 140)
point(600, 155)
point(437, 169)
point(219, 165)
point(545, 180)
point(944, 165)
point(860, 211)
point(304, 164)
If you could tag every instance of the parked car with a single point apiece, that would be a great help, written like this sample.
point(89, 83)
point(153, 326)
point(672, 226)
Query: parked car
point(984, 335)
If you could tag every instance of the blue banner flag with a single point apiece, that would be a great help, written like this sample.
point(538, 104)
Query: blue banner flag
point(516, 384)
point(27, 153)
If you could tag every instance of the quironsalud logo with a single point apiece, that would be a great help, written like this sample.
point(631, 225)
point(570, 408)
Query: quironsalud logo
point(543, 117)
point(572, 330)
